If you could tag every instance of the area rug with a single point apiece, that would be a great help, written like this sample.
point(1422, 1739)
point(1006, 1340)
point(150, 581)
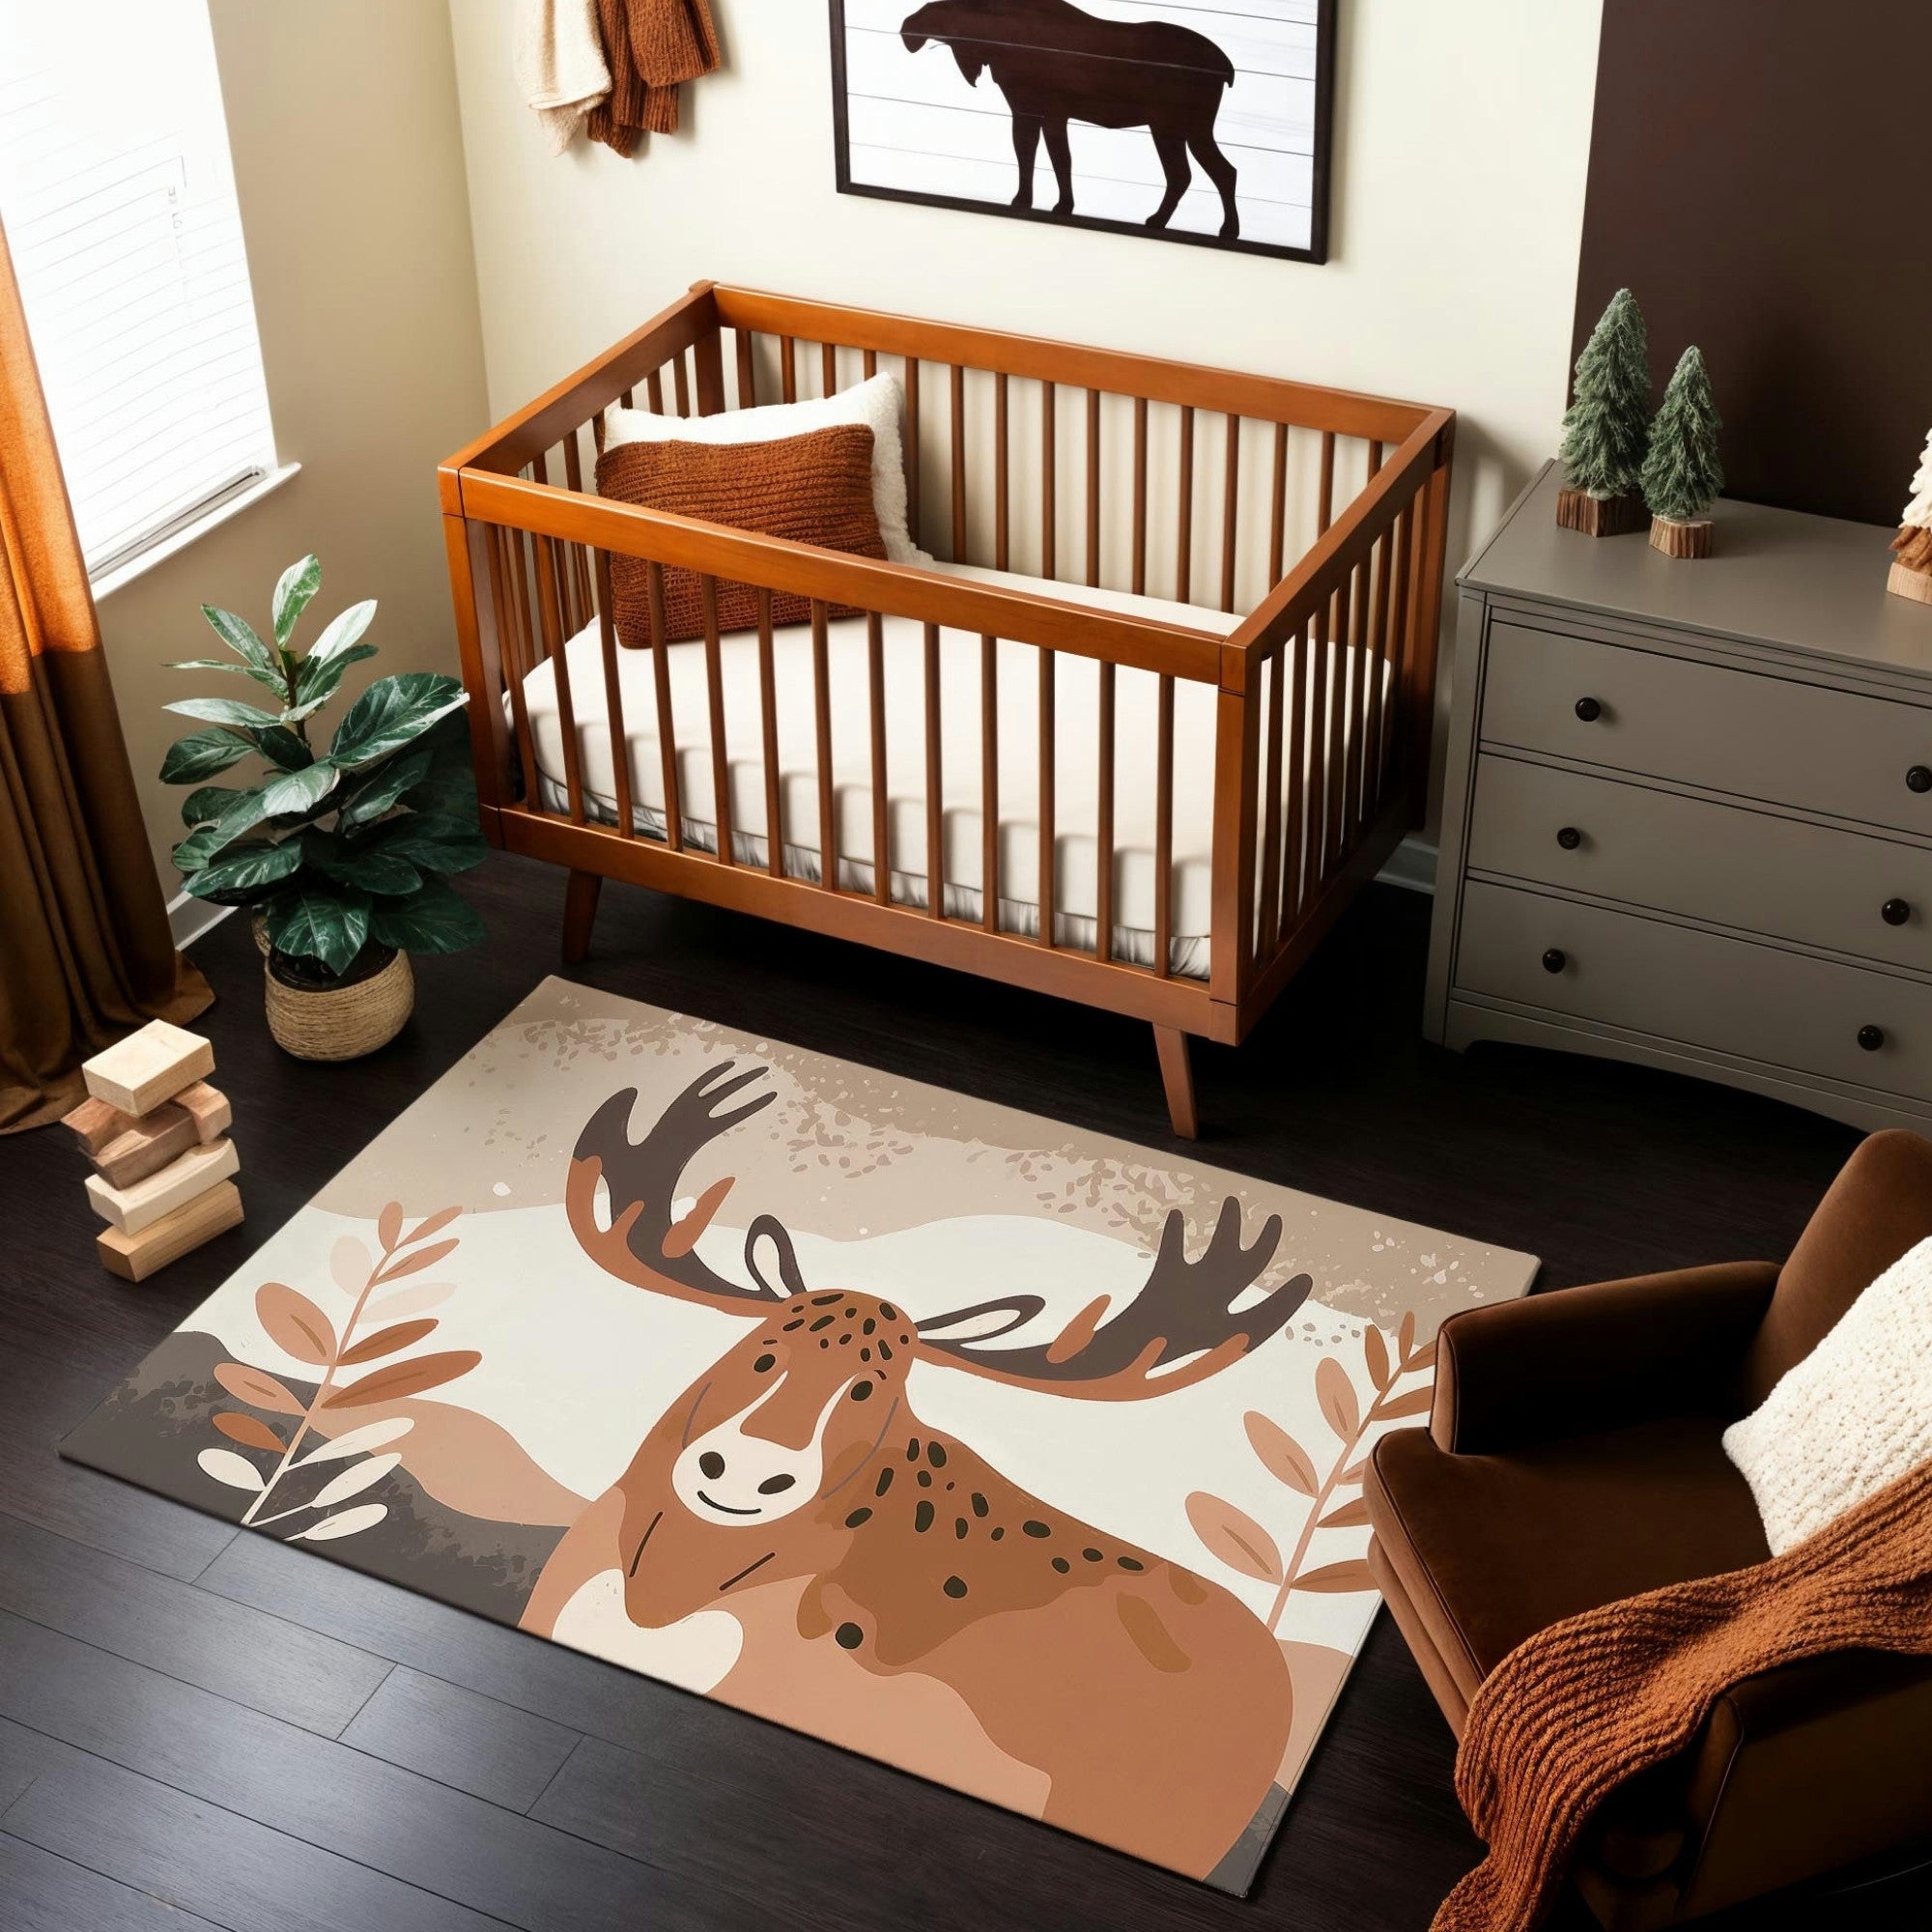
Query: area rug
point(1024, 1460)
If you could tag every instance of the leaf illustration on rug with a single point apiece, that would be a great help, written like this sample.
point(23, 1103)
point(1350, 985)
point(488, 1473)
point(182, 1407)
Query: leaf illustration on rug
point(299, 1328)
point(1243, 1544)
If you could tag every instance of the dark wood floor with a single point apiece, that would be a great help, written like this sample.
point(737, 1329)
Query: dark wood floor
point(202, 1726)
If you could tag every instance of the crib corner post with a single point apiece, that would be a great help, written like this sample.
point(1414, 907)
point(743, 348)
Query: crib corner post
point(581, 893)
point(1176, 1075)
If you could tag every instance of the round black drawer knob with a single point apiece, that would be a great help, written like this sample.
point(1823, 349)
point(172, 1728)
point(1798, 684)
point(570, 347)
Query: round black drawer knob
point(1919, 778)
point(1569, 838)
point(1871, 1038)
point(1555, 959)
point(1589, 710)
point(1894, 912)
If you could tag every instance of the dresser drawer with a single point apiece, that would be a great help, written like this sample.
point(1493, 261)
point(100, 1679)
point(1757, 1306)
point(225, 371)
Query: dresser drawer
point(1731, 996)
point(1740, 731)
point(1810, 883)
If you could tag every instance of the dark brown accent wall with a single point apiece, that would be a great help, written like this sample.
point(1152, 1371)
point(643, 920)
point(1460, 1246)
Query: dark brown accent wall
point(1757, 174)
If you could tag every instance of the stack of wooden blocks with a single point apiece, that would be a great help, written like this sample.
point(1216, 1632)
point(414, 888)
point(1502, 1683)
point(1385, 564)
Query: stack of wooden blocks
point(156, 1131)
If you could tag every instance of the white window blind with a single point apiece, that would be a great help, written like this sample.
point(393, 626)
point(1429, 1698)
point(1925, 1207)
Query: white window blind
point(118, 196)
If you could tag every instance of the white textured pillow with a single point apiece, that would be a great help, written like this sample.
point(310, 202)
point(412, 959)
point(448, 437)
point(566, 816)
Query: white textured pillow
point(1853, 1415)
point(878, 403)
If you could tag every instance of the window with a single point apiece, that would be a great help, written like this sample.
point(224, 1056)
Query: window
point(117, 198)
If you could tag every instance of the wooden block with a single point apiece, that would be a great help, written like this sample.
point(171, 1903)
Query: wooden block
point(135, 1257)
point(141, 1206)
point(137, 1075)
point(1905, 582)
point(146, 1146)
point(94, 1124)
point(1682, 540)
point(1599, 516)
point(212, 1115)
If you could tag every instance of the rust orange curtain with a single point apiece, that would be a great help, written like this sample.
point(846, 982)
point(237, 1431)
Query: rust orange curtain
point(85, 950)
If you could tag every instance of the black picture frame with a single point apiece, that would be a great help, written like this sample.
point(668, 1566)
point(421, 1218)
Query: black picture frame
point(1316, 251)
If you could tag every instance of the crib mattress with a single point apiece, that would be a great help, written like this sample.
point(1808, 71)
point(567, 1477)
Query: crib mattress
point(1077, 793)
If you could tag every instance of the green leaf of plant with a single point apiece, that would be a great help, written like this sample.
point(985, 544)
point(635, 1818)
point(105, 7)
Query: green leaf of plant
point(372, 868)
point(318, 923)
point(272, 679)
point(391, 713)
point(379, 789)
point(242, 813)
point(200, 754)
point(223, 711)
point(298, 791)
point(299, 583)
point(248, 867)
point(435, 920)
point(440, 846)
point(239, 635)
point(281, 747)
point(205, 806)
point(319, 678)
point(343, 631)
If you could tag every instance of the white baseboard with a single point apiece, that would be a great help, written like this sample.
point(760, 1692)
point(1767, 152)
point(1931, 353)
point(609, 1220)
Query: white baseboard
point(1410, 865)
point(190, 919)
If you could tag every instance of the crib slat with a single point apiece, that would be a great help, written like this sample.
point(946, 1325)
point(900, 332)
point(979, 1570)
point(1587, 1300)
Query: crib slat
point(654, 389)
point(748, 381)
point(768, 719)
point(1183, 559)
point(1372, 735)
point(1103, 837)
point(1405, 623)
point(1230, 489)
point(871, 363)
point(548, 593)
point(1046, 774)
point(1163, 830)
point(789, 368)
point(1338, 760)
point(1001, 465)
point(821, 699)
point(935, 784)
point(1049, 464)
point(681, 384)
point(989, 783)
point(509, 603)
point(673, 805)
point(613, 700)
point(1140, 495)
point(1315, 783)
point(1270, 890)
point(1358, 694)
point(597, 427)
point(1294, 834)
point(629, 399)
point(1325, 511)
point(1375, 461)
point(912, 447)
point(579, 562)
point(1094, 489)
point(1278, 512)
point(827, 369)
point(958, 463)
point(721, 744)
point(882, 821)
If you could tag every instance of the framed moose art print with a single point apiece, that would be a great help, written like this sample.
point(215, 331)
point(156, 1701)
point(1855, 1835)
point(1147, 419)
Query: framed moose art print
point(1201, 121)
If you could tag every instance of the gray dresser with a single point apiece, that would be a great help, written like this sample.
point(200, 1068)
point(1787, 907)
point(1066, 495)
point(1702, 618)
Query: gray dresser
point(1687, 810)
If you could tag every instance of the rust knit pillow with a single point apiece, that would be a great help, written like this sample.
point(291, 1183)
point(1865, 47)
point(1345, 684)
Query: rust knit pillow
point(812, 489)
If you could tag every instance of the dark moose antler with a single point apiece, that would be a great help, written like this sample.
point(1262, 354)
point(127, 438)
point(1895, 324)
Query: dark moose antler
point(643, 1244)
point(1179, 1329)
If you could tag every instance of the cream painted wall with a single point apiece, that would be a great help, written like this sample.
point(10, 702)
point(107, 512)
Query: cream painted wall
point(1462, 146)
point(342, 115)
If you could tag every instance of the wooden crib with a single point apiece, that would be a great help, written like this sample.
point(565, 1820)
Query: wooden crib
point(1041, 755)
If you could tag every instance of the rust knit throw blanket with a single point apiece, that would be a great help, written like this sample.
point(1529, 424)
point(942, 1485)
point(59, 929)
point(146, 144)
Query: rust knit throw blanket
point(1576, 1710)
point(651, 46)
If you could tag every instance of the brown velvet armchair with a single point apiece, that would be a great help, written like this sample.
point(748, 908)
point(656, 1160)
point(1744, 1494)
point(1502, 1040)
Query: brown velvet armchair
point(1574, 1458)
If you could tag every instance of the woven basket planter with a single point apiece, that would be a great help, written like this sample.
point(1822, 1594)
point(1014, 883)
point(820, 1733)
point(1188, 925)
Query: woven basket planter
point(340, 1022)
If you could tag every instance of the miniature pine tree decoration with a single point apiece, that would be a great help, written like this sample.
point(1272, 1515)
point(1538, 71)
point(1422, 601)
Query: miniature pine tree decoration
point(1912, 570)
point(1608, 425)
point(1681, 474)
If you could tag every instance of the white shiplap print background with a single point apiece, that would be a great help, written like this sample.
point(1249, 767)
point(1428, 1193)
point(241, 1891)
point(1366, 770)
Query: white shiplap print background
point(914, 124)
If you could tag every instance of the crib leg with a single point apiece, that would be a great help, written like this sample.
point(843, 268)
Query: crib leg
point(1176, 1073)
point(579, 914)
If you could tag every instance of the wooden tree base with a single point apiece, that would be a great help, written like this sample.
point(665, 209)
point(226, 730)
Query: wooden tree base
point(1681, 539)
point(1905, 582)
point(1599, 516)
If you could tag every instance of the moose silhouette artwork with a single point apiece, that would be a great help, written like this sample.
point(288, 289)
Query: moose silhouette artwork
point(1055, 63)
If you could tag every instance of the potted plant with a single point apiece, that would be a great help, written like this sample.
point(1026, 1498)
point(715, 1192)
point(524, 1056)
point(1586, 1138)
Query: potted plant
point(344, 853)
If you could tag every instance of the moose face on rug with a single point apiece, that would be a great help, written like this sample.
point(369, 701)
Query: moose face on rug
point(798, 1457)
point(1018, 1457)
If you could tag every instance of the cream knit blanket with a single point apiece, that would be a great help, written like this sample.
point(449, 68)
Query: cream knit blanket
point(561, 65)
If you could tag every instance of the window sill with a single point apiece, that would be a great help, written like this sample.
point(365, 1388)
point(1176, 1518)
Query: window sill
point(123, 575)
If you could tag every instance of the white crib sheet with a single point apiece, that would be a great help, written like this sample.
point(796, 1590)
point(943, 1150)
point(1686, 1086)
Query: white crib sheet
point(1076, 786)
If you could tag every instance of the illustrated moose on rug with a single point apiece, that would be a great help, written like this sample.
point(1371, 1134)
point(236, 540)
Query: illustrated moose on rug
point(1056, 64)
point(1093, 1683)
